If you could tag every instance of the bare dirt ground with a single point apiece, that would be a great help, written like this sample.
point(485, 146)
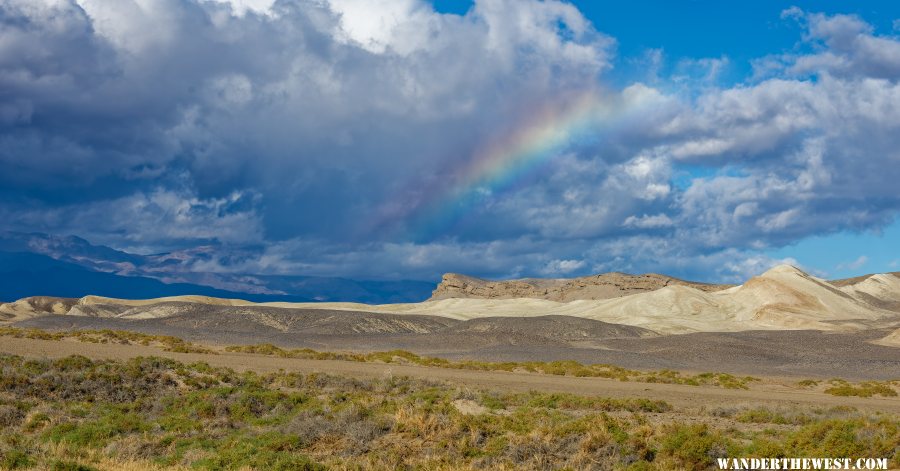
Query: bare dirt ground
point(771, 391)
point(798, 353)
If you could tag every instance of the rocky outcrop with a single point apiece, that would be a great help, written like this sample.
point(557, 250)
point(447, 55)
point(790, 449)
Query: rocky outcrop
point(603, 286)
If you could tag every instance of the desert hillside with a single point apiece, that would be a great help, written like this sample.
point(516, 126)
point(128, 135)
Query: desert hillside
point(603, 286)
point(784, 321)
point(783, 298)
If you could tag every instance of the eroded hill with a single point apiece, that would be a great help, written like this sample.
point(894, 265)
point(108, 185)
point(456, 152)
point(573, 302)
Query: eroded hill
point(603, 286)
point(783, 298)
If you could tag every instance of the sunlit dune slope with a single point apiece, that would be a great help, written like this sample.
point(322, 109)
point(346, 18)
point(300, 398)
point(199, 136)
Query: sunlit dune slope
point(782, 298)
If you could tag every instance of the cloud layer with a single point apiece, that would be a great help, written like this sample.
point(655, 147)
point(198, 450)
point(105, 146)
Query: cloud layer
point(292, 126)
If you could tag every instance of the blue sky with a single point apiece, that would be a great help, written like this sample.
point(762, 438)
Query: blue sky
point(847, 254)
point(741, 31)
point(500, 138)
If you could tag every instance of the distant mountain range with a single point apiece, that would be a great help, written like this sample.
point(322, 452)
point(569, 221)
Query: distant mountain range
point(35, 264)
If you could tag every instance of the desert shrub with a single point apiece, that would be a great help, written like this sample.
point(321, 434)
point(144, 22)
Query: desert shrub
point(694, 446)
point(309, 427)
point(537, 451)
point(198, 416)
point(762, 415)
point(70, 466)
point(493, 400)
point(724, 412)
point(168, 343)
point(559, 368)
point(80, 379)
point(841, 387)
point(360, 429)
point(856, 437)
point(10, 416)
point(12, 458)
point(96, 433)
point(574, 402)
point(268, 451)
point(733, 382)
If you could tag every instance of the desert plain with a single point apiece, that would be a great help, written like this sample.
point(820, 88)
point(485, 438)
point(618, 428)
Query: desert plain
point(784, 361)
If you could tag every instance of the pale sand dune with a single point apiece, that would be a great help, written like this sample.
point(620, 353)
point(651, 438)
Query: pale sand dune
point(36, 305)
point(799, 292)
point(891, 340)
point(90, 300)
point(883, 287)
point(783, 298)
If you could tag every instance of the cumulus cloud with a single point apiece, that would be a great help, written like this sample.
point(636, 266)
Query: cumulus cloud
point(562, 267)
point(302, 103)
point(851, 48)
point(289, 126)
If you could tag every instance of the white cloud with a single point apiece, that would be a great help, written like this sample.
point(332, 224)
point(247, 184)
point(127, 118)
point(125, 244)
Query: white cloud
point(744, 268)
point(649, 222)
point(242, 7)
point(562, 267)
point(375, 25)
point(288, 124)
point(852, 48)
point(856, 264)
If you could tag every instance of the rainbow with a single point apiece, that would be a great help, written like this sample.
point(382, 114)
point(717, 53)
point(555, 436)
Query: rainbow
point(503, 164)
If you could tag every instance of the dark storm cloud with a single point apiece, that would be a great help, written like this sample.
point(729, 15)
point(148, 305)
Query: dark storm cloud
point(175, 96)
point(288, 126)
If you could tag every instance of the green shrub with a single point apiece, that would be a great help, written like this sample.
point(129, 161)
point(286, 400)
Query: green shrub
point(96, 433)
point(864, 389)
point(694, 446)
point(14, 459)
point(761, 415)
point(174, 414)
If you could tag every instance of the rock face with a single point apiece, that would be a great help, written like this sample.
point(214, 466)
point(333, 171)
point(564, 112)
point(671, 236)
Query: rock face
point(604, 286)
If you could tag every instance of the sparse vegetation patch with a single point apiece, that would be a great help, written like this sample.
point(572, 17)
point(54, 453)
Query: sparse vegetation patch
point(122, 337)
point(154, 413)
point(561, 368)
point(840, 387)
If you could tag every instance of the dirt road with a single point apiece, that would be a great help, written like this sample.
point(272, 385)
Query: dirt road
point(771, 392)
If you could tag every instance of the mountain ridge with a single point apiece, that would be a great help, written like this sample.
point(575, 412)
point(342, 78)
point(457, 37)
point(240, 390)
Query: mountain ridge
point(600, 286)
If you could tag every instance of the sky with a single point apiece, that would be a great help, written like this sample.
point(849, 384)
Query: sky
point(499, 138)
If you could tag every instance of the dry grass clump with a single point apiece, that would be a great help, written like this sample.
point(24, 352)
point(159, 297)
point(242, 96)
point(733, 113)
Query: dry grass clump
point(840, 387)
point(560, 368)
point(790, 416)
point(153, 413)
point(122, 337)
